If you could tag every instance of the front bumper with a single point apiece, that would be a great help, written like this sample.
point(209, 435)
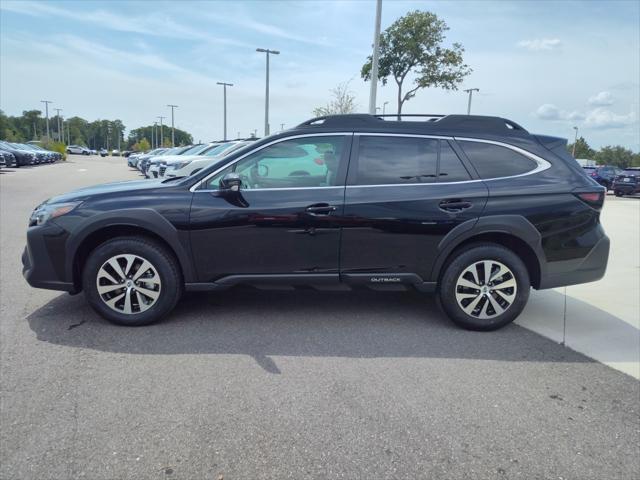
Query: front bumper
point(43, 259)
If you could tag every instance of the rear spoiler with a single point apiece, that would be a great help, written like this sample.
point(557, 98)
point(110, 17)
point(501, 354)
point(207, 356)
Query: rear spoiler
point(551, 142)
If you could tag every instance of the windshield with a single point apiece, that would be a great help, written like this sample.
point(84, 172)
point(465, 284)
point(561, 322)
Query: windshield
point(194, 150)
point(218, 149)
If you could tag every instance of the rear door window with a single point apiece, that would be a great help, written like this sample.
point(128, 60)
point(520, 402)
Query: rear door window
point(384, 160)
point(450, 167)
point(495, 161)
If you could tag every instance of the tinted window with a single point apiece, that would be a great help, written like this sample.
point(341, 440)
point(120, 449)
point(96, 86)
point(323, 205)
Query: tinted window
point(396, 160)
point(451, 168)
point(300, 162)
point(494, 161)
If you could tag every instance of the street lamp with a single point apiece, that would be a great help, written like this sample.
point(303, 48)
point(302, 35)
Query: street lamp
point(161, 136)
point(374, 60)
point(224, 86)
point(173, 138)
point(470, 92)
point(46, 106)
point(58, 110)
point(266, 96)
point(575, 140)
point(384, 107)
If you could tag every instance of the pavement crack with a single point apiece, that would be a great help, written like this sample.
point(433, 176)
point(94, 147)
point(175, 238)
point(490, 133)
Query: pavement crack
point(76, 325)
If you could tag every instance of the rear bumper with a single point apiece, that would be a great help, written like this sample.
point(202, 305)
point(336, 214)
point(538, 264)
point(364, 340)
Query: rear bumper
point(592, 268)
point(626, 188)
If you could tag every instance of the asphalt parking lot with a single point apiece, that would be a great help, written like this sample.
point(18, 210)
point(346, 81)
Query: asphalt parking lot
point(288, 384)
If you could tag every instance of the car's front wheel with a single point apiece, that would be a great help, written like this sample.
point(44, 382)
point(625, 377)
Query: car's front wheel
point(484, 287)
point(132, 280)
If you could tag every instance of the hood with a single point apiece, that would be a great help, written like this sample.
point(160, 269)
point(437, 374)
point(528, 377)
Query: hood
point(126, 186)
point(181, 158)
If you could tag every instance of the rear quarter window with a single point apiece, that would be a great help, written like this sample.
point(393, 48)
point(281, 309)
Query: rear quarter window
point(495, 161)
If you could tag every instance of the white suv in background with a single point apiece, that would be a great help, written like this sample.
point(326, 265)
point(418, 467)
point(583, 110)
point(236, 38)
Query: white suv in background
point(187, 166)
point(78, 150)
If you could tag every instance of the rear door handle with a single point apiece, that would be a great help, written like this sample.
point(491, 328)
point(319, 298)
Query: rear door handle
point(454, 205)
point(320, 209)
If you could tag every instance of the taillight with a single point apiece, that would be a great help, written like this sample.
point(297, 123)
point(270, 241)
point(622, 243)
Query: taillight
point(593, 174)
point(593, 199)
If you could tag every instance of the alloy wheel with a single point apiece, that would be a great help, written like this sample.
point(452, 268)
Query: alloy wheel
point(486, 289)
point(128, 284)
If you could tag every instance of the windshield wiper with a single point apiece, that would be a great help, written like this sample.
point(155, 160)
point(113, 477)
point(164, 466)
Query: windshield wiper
point(171, 179)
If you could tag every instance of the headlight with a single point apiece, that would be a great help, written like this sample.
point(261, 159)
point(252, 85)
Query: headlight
point(47, 211)
point(179, 165)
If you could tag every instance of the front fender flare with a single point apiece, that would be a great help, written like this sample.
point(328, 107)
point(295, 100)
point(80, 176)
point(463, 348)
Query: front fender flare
point(144, 218)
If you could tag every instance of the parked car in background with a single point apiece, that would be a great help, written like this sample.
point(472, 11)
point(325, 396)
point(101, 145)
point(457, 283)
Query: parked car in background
point(474, 209)
point(152, 166)
point(103, 152)
point(603, 174)
point(193, 164)
point(3, 161)
point(135, 158)
point(115, 152)
point(23, 157)
point(9, 158)
point(78, 150)
point(627, 182)
point(126, 153)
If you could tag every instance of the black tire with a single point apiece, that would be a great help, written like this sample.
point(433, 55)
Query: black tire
point(617, 193)
point(163, 261)
point(467, 257)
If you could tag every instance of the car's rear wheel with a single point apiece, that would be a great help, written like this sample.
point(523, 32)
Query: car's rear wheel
point(617, 193)
point(132, 281)
point(484, 287)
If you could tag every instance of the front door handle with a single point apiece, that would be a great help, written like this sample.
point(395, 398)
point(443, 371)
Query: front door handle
point(454, 205)
point(320, 209)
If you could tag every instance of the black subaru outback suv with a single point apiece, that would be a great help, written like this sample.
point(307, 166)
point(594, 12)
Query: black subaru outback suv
point(475, 209)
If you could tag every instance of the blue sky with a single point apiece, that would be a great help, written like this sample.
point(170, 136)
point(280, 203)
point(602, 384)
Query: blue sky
point(547, 65)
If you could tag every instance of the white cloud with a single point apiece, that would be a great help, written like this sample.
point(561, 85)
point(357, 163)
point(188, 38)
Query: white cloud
point(540, 44)
point(549, 111)
point(601, 99)
point(605, 118)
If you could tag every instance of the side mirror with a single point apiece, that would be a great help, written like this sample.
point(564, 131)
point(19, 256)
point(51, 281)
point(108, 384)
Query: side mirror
point(231, 182)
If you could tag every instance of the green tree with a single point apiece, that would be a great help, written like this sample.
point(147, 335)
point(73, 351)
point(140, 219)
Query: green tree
point(583, 150)
point(343, 101)
point(141, 146)
point(616, 155)
point(413, 45)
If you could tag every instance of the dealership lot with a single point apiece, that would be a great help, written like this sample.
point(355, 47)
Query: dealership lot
point(308, 384)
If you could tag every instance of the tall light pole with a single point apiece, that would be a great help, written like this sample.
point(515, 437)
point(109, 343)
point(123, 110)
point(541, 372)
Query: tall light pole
point(374, 63)
point(575, 140)
point(154, 134)
point(173, 137)
point(470, 92)
point(58, 110)
point(266, 95)
point(161, 137)
point(281, 127)
point(46, 106)
point(384, 107)
point(224, 87)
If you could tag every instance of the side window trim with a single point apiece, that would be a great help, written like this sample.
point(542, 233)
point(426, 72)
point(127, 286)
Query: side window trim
point(199, 185)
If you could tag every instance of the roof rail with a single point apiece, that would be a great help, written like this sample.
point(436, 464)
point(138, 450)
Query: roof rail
point(453, 122)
